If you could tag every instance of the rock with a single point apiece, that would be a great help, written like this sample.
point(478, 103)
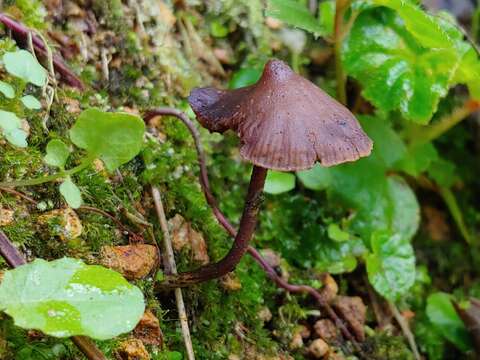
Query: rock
point(230, 282)
point(63, 223)
point(353, 310)
point(132, 261)
point(297, 339)
point(6, 216)
point(148, 330)
point(326, 329)
point(132, 349)
point(318, 348)
point(183, 235)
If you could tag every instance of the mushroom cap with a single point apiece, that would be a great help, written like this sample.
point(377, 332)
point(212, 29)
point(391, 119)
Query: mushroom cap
point(284, 121)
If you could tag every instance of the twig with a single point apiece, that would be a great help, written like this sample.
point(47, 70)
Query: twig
point(14, 258)
point(21, 31)
point(405, 329)
point(339, 33)
point(171, 268)
point(222, 219)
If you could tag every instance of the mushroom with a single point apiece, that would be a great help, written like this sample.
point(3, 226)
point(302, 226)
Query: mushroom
point(284, 123)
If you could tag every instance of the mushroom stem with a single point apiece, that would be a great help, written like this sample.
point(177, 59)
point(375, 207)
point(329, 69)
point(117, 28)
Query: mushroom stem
point(240, 244)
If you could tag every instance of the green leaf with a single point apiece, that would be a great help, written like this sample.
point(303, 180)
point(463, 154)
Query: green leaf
point(11, 127)
point(57, 153)
point(394, 66)
point(116, 138)
point(244, 77)
point(339, 257)
point(31, 102)
point(7, 90)
point(442, 315)
point(71, 193)
point(317, 178)
point(22, 64)
point(390, 265)
point(337, 234)
point(218, 29)
point(417, 159)
point(443, 172)
point(326, 16)
point(65, 297)
point(295, 14)
point(278, 182)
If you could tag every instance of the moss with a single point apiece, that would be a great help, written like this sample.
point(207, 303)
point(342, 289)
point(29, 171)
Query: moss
point(383, 346)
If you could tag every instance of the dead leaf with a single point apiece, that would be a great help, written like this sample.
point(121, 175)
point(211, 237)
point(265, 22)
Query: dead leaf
point(183, 235)
point(148, 330)
point(352, 310)
point(132, 261)
point(132, 349)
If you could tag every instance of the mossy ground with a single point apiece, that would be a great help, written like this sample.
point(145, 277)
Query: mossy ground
point(156, 64)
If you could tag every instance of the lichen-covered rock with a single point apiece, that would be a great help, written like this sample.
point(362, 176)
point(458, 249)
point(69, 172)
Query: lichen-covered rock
point(63, 223)
point(132, 261)
point(148, 330)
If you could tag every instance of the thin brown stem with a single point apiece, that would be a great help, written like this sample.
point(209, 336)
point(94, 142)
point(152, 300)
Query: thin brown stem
point(14, 258)
point(223, 220)
point(247, 226)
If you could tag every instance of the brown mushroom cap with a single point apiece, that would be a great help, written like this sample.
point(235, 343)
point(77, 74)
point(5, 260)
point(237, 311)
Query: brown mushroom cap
point(284, 121)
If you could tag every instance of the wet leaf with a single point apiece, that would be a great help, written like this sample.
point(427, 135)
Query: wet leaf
point(244, 77)
point(390, 265)
point(31, 102)
point(11, 127)
point(395, 69)
point(66, 297)
point(278, 182)
point(57, 153)
point(442, 315)
point(115, 138)
point(339, 257)
point(317, 178)
point(295, 14)
point(22, 64)
point(71, 193)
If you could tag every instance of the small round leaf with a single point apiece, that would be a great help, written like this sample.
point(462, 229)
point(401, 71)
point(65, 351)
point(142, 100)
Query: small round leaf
point(22, 64)
point(116, 138)
point(65, 297)
point(7, 90)
point(57, 153)
point(11, 127)
point(31, 102)
point(278, 182)
point(71, 193)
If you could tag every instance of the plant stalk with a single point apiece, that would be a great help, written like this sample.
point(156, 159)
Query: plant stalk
point(14, 258)
point(339, 34)
point(41, 180)
point(240, 244)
